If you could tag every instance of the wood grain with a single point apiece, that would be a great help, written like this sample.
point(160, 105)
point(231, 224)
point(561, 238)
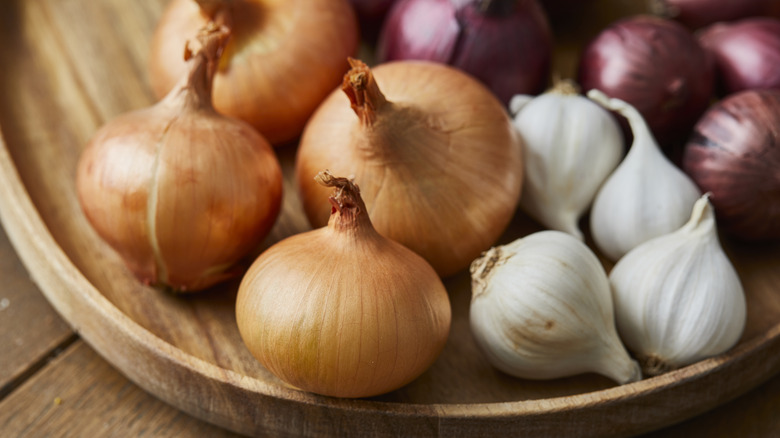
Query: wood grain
point(53, 403)
point(70, 67)
point(24, 346)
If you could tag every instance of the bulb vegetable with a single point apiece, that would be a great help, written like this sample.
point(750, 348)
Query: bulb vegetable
point(284, 57)
point(438, 159)
point(341, 310)
point(181, 192)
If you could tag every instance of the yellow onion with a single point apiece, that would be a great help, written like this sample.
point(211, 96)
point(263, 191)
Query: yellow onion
point(341, 310)
point(285, 56)
point(178, 190)
point(437, 158)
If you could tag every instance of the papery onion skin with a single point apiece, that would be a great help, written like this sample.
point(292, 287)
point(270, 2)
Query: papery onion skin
point(657, 66)
point(746, 53)
point(284, 57)
point(343, 311)
point(440, 164)
point(699, 13)
point(509, 50)
point(178, 190)
point(734, 153)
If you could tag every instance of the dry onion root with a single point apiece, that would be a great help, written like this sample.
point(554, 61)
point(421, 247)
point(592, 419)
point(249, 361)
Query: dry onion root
point(437, 157)
point(282, 61)
point(341, 310)
point(178, 190)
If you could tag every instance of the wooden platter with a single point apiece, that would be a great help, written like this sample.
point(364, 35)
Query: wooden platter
point(68, 66)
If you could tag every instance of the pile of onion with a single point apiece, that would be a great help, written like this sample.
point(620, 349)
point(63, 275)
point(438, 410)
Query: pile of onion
point(734, 153)
point(435, 153)
point(746, 53)
point(341, 310)
point(658, 67)
point(181, 192)
point(506, 44)
point(284, 57)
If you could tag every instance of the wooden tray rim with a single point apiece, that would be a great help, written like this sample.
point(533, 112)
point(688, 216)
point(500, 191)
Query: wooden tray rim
point(86, 310)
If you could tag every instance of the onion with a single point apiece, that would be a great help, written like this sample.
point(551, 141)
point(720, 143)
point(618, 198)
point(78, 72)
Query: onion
point(734, 153)
point(341, 310)
point(700, 13)
point(657, 66)
point(746, 53)
point(436, 155)
point(506, 44)
point(284, 57)
point(178, 190)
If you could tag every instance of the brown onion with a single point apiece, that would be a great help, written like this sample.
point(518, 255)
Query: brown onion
point(700, 13)
point(178, 190)
point(746, 53)
point(657, 66)
point(341, 310)
point(283, 59)
point(734, 153)
point(435, 152)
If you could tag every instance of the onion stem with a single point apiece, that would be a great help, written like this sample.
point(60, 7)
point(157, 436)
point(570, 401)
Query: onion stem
point(363, 92)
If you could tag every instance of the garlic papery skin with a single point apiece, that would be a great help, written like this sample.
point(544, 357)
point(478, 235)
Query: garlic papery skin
point(572, 145)
point(541, 308)
point(678, 298)
point(646, 196)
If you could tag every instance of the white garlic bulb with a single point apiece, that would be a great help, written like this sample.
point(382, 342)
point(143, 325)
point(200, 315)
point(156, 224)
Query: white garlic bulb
point(541, 308)
point(647, 196)
point(678, 299)
point(571, 146)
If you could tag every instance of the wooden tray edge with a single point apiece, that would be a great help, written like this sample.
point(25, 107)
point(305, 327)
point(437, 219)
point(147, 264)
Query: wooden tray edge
point(254, 406)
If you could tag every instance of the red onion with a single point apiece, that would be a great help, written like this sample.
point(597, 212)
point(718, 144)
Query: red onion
point(746, 53)
point(734, 153)
point(506, 44)
point(657, 66)
point(700, 13)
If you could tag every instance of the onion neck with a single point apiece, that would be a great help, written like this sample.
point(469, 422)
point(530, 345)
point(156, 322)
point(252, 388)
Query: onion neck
point(363, 92)
point(348, 211)
point(193, 91)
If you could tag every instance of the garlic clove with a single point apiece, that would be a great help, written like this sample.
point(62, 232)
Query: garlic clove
point(572, 145)
point(678, 298)
point(647, 196)
point(541, 309)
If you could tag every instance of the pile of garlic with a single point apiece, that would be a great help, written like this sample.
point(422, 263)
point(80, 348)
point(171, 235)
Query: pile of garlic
point(543, 306)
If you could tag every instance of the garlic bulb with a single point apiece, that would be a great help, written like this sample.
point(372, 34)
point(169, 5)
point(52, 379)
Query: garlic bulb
point(678, 299)
point(541, 309)
point(647, 196)
point(572, 146)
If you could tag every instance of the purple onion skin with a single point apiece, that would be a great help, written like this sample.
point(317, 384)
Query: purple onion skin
point(510, 50)
point(746, 53)
point(656, 65)
point(734, 153)
point(700, 13)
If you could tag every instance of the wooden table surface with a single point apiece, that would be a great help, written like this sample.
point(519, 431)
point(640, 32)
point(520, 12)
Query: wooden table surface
point(53, 384)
